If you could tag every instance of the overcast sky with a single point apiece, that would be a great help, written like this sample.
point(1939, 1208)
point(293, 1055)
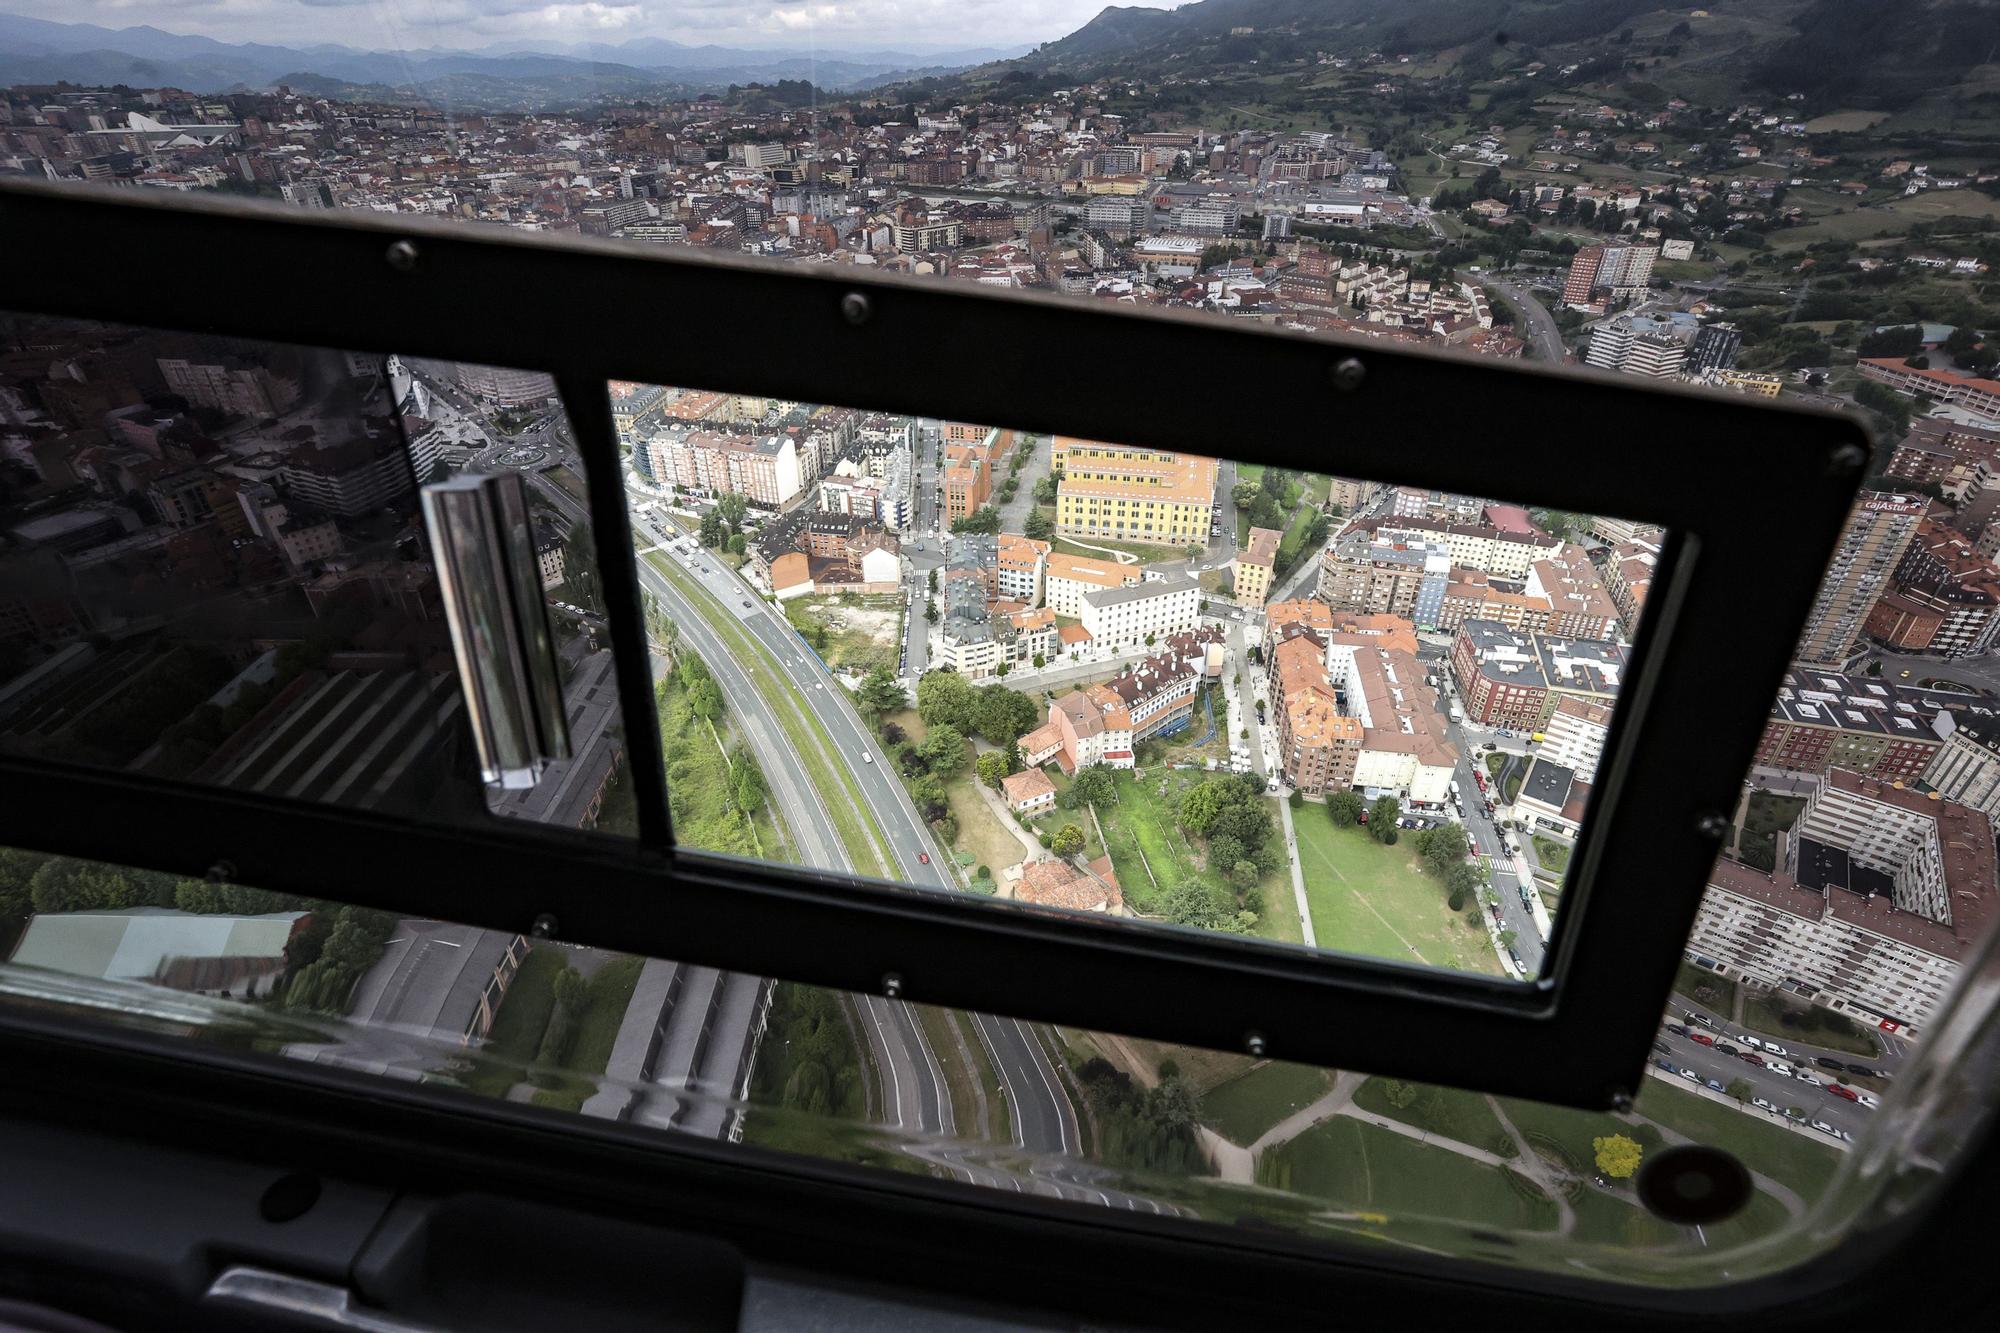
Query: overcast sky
point(413, 24)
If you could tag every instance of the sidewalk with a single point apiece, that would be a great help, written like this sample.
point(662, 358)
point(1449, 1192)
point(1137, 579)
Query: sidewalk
point(1298, 877)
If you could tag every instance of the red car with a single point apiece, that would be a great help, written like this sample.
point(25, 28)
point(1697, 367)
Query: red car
point(1701, 1037)
point(1842, 1090)
point(924, 857)
point(1752, 1058)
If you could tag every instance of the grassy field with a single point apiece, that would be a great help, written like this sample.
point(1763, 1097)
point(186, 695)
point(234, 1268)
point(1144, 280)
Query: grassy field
point(1364, 1167)
point(1553, 855)
point(1896, 217)
point(1370, 899)
point(698, 786)
point(1845, 122)
point(1244, 1107)
point(1765, 1012)
point(858, 832)
point(1149, 853)
point(1147, 552)
point(1785, 1156)
point(1689, 980)
point(861, 630)
point(1453, 1112)
point(980, 831)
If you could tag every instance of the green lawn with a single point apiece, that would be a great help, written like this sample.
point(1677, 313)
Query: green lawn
point(597, 1030)
point(1139, 831)
point(1553, 855)
point(1765, 1012)
point(859, 833)
point(1366, 898)
point(1565, 1134)
point(1363, 1167)
point(1785, 1156)
point(1453, 1112)
point(1604, 1217)
point(1244, 1107)
point(1706, 989)
point(1148, 552)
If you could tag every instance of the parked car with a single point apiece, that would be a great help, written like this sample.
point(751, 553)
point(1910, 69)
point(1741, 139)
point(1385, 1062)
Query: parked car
point(1841, 1090)
point(1763, 1105)
point(1726, 1048)
point(1678, 1029)
point(1715, 1085)
point(1825, 1128)
point(1778, 1067)
point(1772, 1048)
point(1794, 1113)
point(1662, 1048)
point(1754, 1043)
point(1751, 1057)
point(1828, 1062)
point(1701, 1037)
point(1690, 1076)
point(1808, 1079)
point(1869, 1100)
point(1667, 1065)
point(1862, 1070)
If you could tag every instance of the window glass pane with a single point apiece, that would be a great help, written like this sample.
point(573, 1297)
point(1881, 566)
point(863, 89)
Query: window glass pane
point(985, 1100)
point(1166, 687)
point(217, 570)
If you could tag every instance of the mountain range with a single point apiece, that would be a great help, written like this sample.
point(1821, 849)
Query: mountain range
point(40, 51)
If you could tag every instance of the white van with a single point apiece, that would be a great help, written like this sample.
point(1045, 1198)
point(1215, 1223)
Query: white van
point(867, 758)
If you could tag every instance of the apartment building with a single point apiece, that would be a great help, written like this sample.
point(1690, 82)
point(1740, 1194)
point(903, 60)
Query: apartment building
point(505, 386)
point(1134, 495)
point(973, 456)
point(1966, 767)
point(1090, 732)
point(1021, 569)
point(1945, 599)
point(1471, 595)
point(240, 388)
point(1504, 552)
point(1575, 734)
point(1579, 606)
point(1386, 578)
point(1880, 895)
point(1318, 746)
point(1120, 617)
point(1871, 547)
point(763, 468)
point(1066, 578)
point(1639, 345)
point(1823, 720)
point(1250, 572)
point(1507, 678)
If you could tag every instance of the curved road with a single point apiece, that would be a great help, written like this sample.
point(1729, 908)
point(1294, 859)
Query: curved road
point(915, 1101)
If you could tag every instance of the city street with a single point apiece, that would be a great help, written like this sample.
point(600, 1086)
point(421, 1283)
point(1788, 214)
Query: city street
point(1538, 326)
point(1776, 1088)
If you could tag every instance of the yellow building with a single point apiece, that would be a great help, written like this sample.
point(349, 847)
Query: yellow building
point(1750, 382)
point(1133, 495)
point(1250, 571)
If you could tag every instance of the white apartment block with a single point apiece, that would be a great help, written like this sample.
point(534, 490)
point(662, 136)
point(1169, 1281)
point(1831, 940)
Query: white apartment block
point(1120, 617)
point(1898, 838)
point(1068, 578)
point(1575, 735)
point(1966, 769)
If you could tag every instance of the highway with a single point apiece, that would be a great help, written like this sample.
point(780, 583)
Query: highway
point(1537, 325)
point(915, 1099)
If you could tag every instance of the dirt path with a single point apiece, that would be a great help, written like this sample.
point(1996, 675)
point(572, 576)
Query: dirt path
point(1237, 1165)
point(1331, 1103)
point(1538, 1169)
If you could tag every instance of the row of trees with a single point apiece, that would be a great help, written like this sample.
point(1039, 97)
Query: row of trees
point(1346, 807)
point(984, 519)
point(1154, 1129)
point(722, 525)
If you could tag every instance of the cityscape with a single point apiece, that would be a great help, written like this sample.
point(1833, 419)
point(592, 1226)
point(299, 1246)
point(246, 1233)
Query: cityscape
point(1068, 674)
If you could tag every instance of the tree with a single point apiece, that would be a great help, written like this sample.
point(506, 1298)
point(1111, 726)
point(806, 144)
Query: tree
point(1002, 716)
point(944, 750)
point(1092, 786)
point(711, 529)
point(1462, 878)
point(1193, 903)
point(983, 519)
point(931, 581)
point(930, 798)
point(1068, 841)
point(1402, 1095)
point(1225, 850)
point(991, 768)
point(748, 784)
point(1617, 1155)
point(1243, 874)
point(1740, 1089)
point(1382, 816)
point(1344, 807)
point(1442, 847)
point(945, 698)
point(1039, 527)
point(737, 544)
point(881, 692)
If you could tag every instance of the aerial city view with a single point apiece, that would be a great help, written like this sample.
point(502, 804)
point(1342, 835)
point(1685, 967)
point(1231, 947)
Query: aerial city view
point(1070, 674)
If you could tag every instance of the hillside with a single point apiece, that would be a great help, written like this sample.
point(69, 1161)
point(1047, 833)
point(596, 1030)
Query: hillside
point(1850, 53)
